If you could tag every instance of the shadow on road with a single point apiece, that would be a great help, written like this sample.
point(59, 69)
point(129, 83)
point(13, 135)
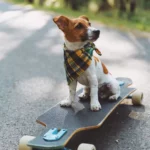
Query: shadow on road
point(114, 133)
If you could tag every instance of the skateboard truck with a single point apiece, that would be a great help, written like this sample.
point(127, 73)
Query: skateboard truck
point(121, 83)
point(54, 134)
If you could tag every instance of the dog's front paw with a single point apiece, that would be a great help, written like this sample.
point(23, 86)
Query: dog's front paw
point(95, 106)
point(65, 103)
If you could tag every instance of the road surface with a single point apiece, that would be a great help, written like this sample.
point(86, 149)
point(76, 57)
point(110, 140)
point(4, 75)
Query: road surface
point(32, 79)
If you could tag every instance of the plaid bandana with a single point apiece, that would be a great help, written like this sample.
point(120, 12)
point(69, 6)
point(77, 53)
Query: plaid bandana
point(76, 62)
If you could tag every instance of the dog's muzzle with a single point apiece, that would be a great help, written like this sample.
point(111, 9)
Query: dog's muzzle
point(96, 33)
point(93, 33)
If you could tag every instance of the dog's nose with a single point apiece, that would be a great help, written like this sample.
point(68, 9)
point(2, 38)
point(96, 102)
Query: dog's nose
point(96, 32)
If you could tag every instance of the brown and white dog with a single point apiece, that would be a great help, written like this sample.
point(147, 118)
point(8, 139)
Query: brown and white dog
point(77, 33)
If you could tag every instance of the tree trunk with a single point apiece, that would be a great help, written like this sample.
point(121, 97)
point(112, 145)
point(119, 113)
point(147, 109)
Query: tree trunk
point(31, 1)
point(74, 4)
point(41, 2)
point(104, 6)
point(132, 6)
point(116, 3)
point(66, 2)
point(122, 6)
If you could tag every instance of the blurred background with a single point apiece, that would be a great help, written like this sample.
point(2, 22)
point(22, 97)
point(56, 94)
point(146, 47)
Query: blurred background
point(117, 13)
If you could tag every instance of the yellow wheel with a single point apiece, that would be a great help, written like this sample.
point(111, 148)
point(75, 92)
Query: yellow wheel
point(137, 98)
point(24, 141)
point(85, 146)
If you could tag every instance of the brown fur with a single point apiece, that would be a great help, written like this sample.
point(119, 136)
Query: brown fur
point(68, 26)
point(105, 70)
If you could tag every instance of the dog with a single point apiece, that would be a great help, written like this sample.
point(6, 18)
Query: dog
point(82, 66)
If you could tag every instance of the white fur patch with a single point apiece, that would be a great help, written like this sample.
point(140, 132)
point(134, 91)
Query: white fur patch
point(74, 45)
point(90, 32)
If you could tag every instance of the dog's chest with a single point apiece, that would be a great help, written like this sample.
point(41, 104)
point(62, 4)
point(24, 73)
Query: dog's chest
point(87, 75)
point(95, 69)
point(83, 79)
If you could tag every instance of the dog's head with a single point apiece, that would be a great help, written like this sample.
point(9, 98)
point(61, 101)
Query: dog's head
point(78, 29)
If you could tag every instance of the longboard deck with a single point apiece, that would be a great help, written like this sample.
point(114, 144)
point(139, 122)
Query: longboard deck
point(76, 120)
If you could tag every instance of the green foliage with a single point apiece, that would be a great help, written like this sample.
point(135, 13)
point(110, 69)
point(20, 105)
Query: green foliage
point(17, 1)
point(139, 20)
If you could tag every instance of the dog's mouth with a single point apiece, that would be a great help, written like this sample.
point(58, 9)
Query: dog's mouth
point(93, 37)
point(90, 38)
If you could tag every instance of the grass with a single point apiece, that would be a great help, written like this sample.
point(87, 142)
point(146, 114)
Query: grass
point(139, 21)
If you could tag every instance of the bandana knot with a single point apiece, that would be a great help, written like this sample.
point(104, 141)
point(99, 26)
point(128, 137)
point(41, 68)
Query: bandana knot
point(76, 62)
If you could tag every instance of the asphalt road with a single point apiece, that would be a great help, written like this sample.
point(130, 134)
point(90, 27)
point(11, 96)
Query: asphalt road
point(32, 79)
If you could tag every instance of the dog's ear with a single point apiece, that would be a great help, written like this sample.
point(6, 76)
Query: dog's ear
point(62, 22)
point(84, 17)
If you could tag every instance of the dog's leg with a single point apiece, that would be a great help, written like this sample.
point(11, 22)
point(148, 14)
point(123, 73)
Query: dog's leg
point(115, 96)
point(72, 93)
point(95, 105)
point(85, 94)
point(115, 89)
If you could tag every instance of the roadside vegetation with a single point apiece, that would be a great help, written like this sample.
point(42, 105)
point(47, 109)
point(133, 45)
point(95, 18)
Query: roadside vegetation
point(123, 14)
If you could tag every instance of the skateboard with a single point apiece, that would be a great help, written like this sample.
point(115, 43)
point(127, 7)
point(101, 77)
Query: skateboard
point(63, 123)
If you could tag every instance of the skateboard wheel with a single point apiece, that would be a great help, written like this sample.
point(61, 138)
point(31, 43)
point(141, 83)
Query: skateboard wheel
point(137, 98)
point(85, 146)
point(24, 141)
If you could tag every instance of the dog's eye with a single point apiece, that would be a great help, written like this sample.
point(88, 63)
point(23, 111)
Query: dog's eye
point(79, 26)
point(89, 24)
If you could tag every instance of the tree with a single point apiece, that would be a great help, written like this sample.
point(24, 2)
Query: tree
point(104, 5)
point(67, 2)
point(132, 6)
point(122, 5)
point(41, 2)
point(76, 4)
point(30, 1)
